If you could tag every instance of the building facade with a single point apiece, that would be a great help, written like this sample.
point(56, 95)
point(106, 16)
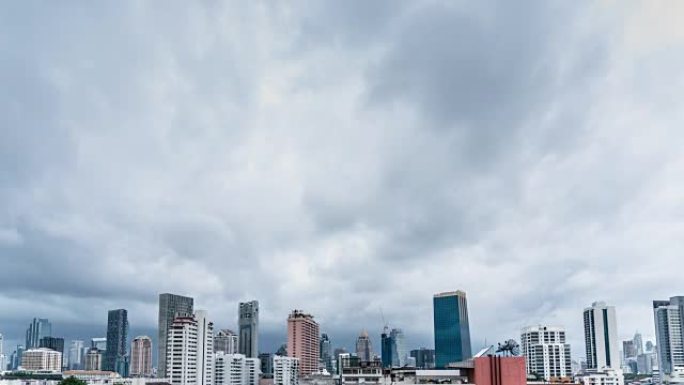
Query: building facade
point(546, 353)
point(425, 358)
point(226, 341)
point(190, 357)
point(75, 356)
point(141, 357)
point(285, 370)
point(39, 328)
point(170, 305)
point(41, 359)
point(364, 348)
point(53, 343)
point(451, 327)
point(93, 360)
point(205, 349)
point(669, 316)
point(325, 351)
point(235, 369)
point(303, 341)
point(600, 337)
point(248, 328)
point(116, 355)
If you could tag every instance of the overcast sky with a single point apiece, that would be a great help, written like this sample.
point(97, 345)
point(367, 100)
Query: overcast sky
point(340, 157)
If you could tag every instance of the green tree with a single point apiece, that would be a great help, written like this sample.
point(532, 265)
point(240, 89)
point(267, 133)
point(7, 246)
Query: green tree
point(72, 381)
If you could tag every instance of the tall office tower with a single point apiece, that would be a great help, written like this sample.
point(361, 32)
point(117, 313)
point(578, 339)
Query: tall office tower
point(16, 357)
point(600, 336)
point(42, 359)
point(116, 355)
point(226, 341)
point(386, 348)
point(141, 357)
point(629, 350)
point(99, 343)
point(266, 361)
point(205, 348)
point(93, 359)
point(326, 352)
point(170, 305)
point(638, 343)
point(364, 349)
point(399, 353)
point(248, 324)
point(669, 319)
point(285, 370)
point(39, 328)
point(53, 343)
point(235, 369)
point(452, 330)
point(3, 357)
point(76, 355)
point(302, 341)
point(425, 358)
point(546, 352)
point(649, 346)
point(181, 358)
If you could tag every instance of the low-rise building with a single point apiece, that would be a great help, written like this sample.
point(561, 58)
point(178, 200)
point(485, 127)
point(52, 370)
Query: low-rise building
point(41, 359)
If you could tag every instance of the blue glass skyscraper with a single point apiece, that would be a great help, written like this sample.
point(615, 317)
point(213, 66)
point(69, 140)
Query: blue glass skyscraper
point(452, 331)
point(116, 356)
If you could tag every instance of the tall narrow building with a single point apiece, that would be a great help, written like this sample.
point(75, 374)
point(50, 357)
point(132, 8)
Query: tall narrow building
point(303, 341)
point(452, 330)
point(546, 352)
point(364, 348)
point(170, 305)
point(226, 341)
point(39, 328)
point(116, 356)
point(601, 338)
point(141, 357)
point(190, 357)
point(248, 324)
point(669, 319)
point(325, 352)
point(205, 348)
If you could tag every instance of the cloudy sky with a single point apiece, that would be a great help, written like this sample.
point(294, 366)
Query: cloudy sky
point(344, 158)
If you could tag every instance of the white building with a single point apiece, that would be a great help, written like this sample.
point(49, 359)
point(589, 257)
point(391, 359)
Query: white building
point(190, 354)
point(93, 360)
point(546, 352)
point(669, 338)
point(601, 377)
point(285, 370)
point(235, 369)
point(226, 341)
point(205, 349)
point(76, 355)
point(41, 359)
point(600, 335)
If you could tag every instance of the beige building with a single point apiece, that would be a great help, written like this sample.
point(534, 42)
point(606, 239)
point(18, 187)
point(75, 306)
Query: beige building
point(42, 359)
point(141, 357)
point(93, 360)
point(303, 341)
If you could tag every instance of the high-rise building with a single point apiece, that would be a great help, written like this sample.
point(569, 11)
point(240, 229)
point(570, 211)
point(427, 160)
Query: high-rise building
point(226, 341)
point(629, 350)
point(425, 358)
point(39, 328)
point(42, 359)
point(649, 346)
point(3, 357)
point(285, 370)
point(190, 356)
point(386, 348)
point(266, 361)
point(116, 356)
point(76, 355)
point(15, 359)
point(546, 352)
point(54, 343)
point(452, 330)
point(99, 343)
point(600, 335)
point(326, 353)
point(141, 357)
point(399, 353)
point(645, 363)
point(248, 324)
point(669, 319)
point(93, 359)
point(638, 343)
point(205, 349)
point(302, 341)
point(364, 348)
point(170, 306)
point(235, 369)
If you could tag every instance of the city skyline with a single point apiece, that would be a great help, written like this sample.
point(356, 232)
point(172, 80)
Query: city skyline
point(349, 158)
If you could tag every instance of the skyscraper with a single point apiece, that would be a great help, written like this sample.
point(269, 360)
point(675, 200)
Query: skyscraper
point(76, 355)
point(248, 324)
point(638, 343)
point(302, 341)
point(93, 359)
point(669, 316)
point(386, 348)
point(600, 335)
point(190, 357)
point(39, 328)
point(629, 350)
point(116, 356)
point(326, 352)
point(452, 330)
point(53, 343)
point(425, 358)
point(99, 343)
point(285, 370)
point(546, 352)
point(141, 357)
point(205, 349)
point(226, 341)
point(364, 349)
point(170, 305)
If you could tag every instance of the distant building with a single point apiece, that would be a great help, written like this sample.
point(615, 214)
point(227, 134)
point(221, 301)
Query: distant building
point(170, 306)
point(669, 319)
point(499, 371)
point(39, 328)
point(93, 359)
point(15, 358)
point(226, 341)
point(600, 336)
point(248, 327)
point(141, 357)
point(645, 363)
point(235, 369)
point(285, 370)
point(394, 354)
point(606, 376)
point(266, 361)
point(42, 359)
point(53, 343)
point(451, 327)
point(546, 352)
point(325, 351)
point(425, 358)
point(116, 356)
point(628, 350)
point(353, 370)
point(99, 343)
point(205, 349)
point(302, 341)
point(76, 355)
point(364, 348)
point(638, 343)
point(649, 346)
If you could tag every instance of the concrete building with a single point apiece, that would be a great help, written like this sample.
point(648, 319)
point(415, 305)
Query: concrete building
point(99, 343)
point(600, 336)
point(39, 328)
point(303, 341)
point(93, 360)
point(116, 355)
point(53, 343)
point(353, 370)
point(190, 357)
point(285, 370)
point(205, 349)
point(226, 341)
point(248, 328)
point(141, 357)
point(235, 369)
point(364, 348)
point(606, 376)
point(75, 355)
point(451, 327)
point(425, 358)
point(645, 363)
point(546, 352)
point(42, 359)
point(669, 318)
point(170, 305)
point(493, 370)
point(325, 352)
point(266, 361)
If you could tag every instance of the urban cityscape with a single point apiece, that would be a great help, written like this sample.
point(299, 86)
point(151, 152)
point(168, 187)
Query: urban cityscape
point(192, 352)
